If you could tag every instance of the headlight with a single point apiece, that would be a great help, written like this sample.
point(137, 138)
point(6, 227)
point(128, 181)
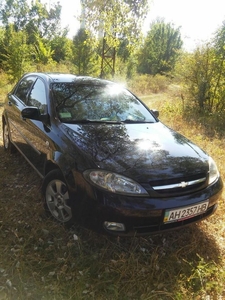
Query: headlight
point(213, 171)
point(114, 182)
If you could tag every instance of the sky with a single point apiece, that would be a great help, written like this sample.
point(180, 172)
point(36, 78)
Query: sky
point(198, 19)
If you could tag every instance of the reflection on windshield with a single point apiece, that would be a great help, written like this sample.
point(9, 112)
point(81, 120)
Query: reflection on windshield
point(82, 102)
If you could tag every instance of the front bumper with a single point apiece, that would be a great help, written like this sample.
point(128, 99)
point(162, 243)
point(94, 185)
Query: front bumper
point(142, 215)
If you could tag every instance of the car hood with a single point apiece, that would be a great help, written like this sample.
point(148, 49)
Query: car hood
point(141, 151)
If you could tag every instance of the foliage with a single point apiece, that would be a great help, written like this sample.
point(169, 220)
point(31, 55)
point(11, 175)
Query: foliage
point(219, 92)
point(5, 87)
point(31, 35)
point(53, 67)
point(14, 12)
point(48, 45)
point(43, 51)
point(204, 77)
point(85, 57)
point(198, 72)
point(2, 50)
point(118, 23)
point(17, 54)
point(116, 19)
point(31, 39)
point(160, 50)
point(143, 84)
point(43, 21)
point(34, 19)
point(62, 48)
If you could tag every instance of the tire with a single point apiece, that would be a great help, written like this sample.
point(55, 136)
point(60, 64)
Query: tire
point(7, 144)
point(57, 200)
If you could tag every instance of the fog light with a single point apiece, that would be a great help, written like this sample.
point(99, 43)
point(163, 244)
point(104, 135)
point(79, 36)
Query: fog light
point(113, 226)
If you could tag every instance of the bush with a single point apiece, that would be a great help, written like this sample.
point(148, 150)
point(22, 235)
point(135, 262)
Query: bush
point(147, 84)
point(5, 87)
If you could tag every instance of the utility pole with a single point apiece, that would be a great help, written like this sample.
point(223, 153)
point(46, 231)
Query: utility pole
point(108, 59)
point(108, 54)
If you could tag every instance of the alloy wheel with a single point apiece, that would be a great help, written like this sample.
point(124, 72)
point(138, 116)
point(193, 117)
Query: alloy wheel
point(57, 198)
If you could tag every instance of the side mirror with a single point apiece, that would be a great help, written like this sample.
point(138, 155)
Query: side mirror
point(155, 112)
point(31, 112)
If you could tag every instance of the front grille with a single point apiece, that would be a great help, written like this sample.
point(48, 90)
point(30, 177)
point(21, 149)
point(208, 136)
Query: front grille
point(179, 186)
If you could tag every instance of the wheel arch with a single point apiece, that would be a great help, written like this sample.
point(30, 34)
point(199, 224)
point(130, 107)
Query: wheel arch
point(50, 166)
point(69, 178)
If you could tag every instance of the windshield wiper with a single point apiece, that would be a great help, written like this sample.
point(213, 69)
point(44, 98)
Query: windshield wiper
point(87, 121)
point(136, 121)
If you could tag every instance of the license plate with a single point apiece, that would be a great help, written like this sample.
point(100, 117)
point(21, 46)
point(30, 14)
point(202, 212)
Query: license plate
point(183, 213)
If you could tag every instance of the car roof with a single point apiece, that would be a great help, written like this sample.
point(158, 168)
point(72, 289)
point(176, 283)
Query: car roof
point(66, 77)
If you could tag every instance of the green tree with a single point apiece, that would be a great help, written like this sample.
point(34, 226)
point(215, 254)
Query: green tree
point(34, 18)
point(43, 52)
point(39, 24)
point(2, 48)
point(160, 49)
point(61, 47)
point(204, 74)
point(44, 22)
point(115, 20)
point(14, 12)
point(198, 72)
point(219, 61)
point(17, 54)
point(85, 56)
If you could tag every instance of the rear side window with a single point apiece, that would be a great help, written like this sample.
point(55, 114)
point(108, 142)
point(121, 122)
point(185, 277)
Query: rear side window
point(24, 87)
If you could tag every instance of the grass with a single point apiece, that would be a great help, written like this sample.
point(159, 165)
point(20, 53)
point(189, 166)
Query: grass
point(42, 260)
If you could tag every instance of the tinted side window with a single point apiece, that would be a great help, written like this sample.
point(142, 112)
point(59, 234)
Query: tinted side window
point(37, 96)
point(24, 87)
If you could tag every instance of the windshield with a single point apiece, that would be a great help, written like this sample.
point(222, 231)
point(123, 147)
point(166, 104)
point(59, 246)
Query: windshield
point(80, 102)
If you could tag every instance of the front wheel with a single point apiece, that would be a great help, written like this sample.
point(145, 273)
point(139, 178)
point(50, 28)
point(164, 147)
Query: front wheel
point(57, 199)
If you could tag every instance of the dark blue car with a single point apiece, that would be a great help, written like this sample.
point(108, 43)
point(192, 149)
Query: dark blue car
point(106, 160)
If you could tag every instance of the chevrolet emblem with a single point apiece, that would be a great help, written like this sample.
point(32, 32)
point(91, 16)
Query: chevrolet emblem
point(183, 184)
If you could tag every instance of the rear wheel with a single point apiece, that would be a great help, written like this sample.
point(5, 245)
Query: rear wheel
point(8, 146)
point(57, 199)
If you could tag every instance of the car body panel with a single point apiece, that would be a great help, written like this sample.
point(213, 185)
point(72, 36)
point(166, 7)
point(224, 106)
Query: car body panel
point(152, 151)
